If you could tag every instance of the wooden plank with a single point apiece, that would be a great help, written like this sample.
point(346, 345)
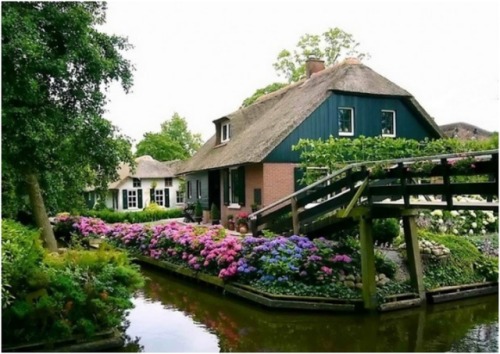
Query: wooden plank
point(336, 202)
point(265, 218)
point(462, 287)
point(441, 205)
point(368, 264)
point(344, 213)
point(413, 256)
point(437, 298)
point(435, 189)
point(295, 216)
point(401, 304)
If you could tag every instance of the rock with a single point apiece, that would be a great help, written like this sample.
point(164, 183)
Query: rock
point(382, 276)
point(437, 252)
point(384, 281)
point(359, 285)
point(427, 250)
point(349, 284)
point(376, 278)
point(350, 277)
point(358, 278)
point(342, 277)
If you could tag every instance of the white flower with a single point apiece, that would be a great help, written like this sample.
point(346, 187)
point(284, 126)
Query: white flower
point(491, 220)
point(485, 222)
point(440, 221)
point(471, 212)
point(474, 225)
point(455, 231)
point(454, 213)
point(460, 211)
point(463, 217)
point(442, 229)
point(471, 232)
point(483, 231)
point(437, 212)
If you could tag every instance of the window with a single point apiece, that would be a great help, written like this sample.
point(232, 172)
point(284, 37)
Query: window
point(159, 197)
point(132, 198)
point(136, 183)
point(233, 187)
point(168, 182)
point(225, 132)
point(346, 121)
point(179, 197)
point(198, 189)
point(189, 192)
point(388, 123)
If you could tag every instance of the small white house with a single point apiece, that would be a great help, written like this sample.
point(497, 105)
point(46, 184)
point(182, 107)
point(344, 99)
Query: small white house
point(152, 181)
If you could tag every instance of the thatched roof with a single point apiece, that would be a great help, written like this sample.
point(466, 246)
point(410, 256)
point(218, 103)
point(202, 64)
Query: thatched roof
point(146, 167)
point(257, 129)
point(464, 131)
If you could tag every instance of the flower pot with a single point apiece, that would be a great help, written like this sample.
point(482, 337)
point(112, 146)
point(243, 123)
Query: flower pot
point(242, 228)
point(215, 222)
point(230, 225)
point(198, 219)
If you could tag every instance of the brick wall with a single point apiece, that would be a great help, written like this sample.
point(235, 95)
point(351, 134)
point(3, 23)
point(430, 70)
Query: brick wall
point(278, 181)
point(253, 179)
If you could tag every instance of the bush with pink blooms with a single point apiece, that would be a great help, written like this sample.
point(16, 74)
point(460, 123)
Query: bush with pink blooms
point(269, 262)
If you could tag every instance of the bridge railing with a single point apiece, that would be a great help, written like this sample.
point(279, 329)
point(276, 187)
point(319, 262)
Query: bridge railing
point(373, 181)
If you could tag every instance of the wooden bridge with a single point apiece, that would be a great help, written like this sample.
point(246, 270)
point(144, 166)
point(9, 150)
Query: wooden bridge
point(361, 192)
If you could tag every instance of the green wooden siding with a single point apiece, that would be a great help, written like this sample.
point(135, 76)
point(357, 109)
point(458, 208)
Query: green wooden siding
point(323, 122)
point(203, 178)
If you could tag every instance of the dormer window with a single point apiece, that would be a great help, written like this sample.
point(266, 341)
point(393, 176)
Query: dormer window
point(225, 132)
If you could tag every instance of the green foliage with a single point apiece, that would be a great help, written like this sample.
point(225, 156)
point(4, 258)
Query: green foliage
point(458, 268)
point(214, 212)
point(152, 207)
point(385, 230)
point(275, 86)
point(335, 153)
point(487, 267)
point(173, 142)
point(111, 216)
point(384, 265)
point(61, 295)
point(56, 66)
point(198, 209)
point(297, 288)
point(329, 46)
point(22, 253)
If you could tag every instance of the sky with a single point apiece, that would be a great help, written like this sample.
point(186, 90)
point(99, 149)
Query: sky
point(201, 59)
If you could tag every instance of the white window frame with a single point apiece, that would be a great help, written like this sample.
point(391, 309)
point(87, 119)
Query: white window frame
point(132, 197)
point(225, 128)
point(179, 197)
point(393, 135)
point(232, 204)
point(351, 109)
point(159, 197)
point(198, 189)
point(168, 181)
point(136, 183)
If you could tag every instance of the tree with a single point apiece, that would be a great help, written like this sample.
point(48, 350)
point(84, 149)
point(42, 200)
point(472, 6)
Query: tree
point(173, 142)
point(56, 67)
point(331, 46)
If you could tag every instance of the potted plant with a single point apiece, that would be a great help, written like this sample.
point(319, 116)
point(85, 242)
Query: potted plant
point(230, 222)
point(242, 221)
point(255, 207)
point(215, 214)
point(198, 212)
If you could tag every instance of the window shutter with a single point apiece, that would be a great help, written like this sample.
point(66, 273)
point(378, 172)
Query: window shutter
point(125, 199)
point(139, 198)
point(151, 196)
point(167, 198)
point(225, 187)
point(241, 185)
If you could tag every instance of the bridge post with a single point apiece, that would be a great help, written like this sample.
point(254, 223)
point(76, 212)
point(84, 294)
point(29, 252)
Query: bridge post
point(295, 216)
point(413, 255)
point(368, 263)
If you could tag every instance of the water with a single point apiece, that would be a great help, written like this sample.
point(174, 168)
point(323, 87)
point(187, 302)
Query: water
point(175, 315)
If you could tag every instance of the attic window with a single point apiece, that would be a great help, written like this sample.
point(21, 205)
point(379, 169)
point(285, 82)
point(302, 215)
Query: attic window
point(346, 121)
point(225, 132)
point(388, 123)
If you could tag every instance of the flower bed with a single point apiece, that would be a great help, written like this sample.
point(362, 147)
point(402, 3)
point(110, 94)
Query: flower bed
point(292, 265)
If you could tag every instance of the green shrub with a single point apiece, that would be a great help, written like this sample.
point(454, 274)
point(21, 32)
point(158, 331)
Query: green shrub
point(458, 268)
point(110, 216)
point(214, 212)
point(384, 265)
point(385, 230)
point(198, 210)
point(61, 295)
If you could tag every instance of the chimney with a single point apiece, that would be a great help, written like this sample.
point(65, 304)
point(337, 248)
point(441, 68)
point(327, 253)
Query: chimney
point(314, 65)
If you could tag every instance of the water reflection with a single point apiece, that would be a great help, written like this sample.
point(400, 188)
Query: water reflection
point(173, 315)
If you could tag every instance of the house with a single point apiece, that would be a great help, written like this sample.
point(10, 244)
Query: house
point(249, 159)
point(152, 181)
point(464, 131)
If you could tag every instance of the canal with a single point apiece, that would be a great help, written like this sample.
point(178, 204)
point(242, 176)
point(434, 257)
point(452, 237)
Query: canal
point(172, 314)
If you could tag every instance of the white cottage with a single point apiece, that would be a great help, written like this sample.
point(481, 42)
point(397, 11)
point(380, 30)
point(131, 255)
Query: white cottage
point(152, 181)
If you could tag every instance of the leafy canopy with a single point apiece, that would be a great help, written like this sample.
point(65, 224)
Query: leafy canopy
point(331, 46)
point(173, 142)
point(56, 68)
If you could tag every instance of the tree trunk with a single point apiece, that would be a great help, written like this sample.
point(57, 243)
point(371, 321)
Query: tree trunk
point(39, 212)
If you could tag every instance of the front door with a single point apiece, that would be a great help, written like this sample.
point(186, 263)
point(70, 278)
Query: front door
point(214, 188)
